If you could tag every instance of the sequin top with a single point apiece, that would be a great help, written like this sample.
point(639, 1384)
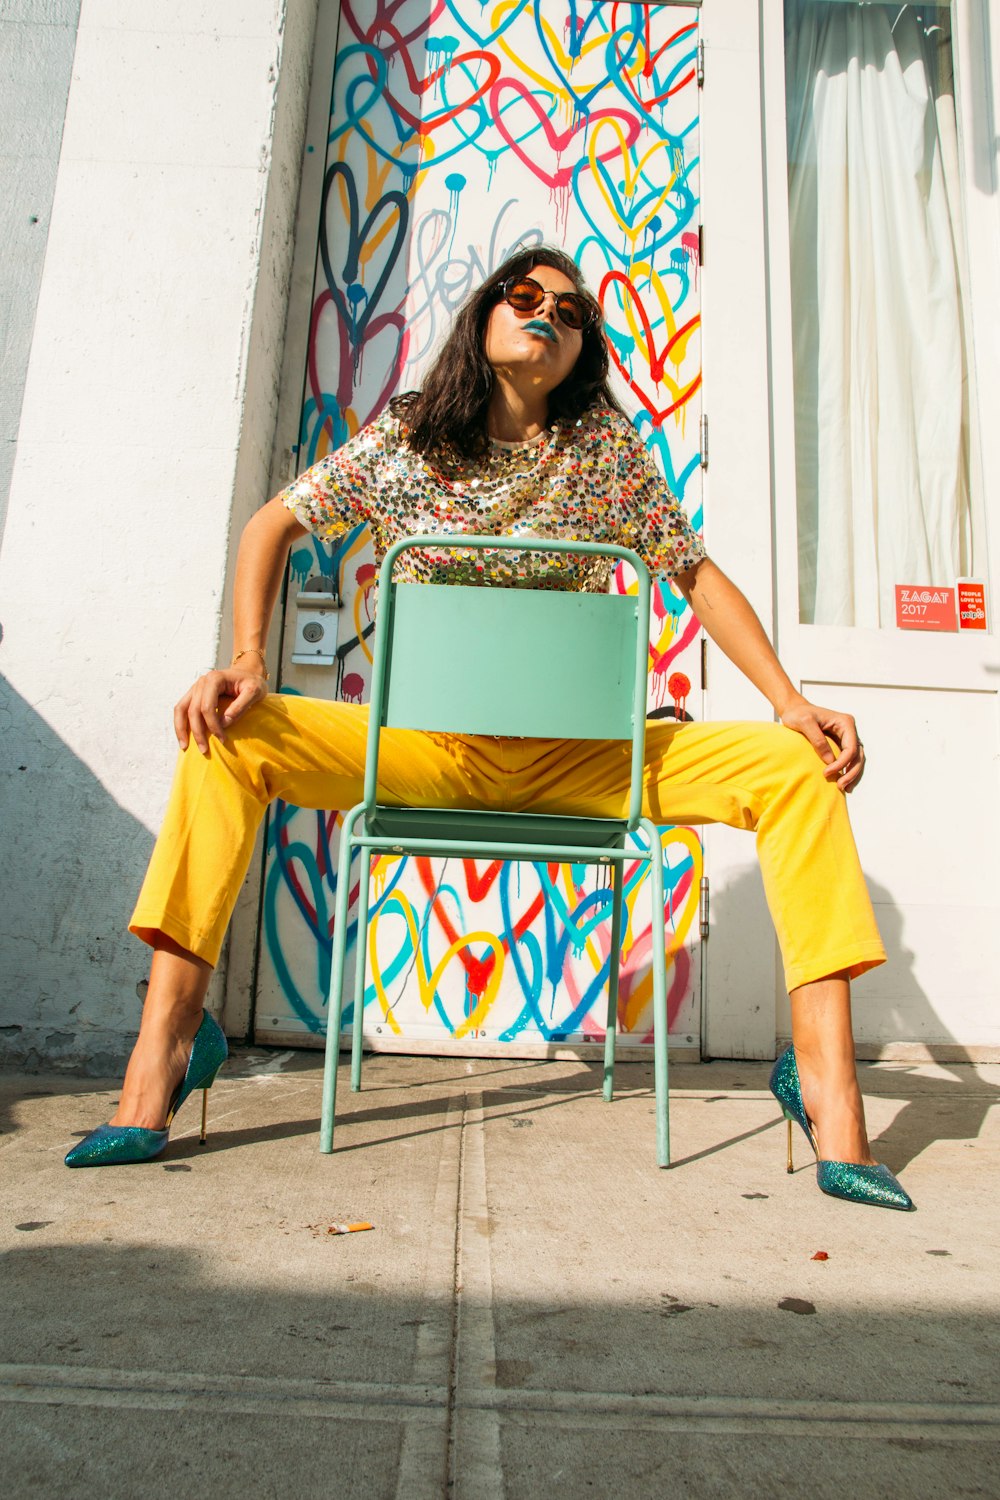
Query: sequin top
point(590, 480)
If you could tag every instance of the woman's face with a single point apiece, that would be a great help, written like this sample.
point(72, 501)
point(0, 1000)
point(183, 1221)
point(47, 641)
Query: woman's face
point(535, 348)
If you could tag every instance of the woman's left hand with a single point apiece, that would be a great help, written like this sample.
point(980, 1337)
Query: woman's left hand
point(820, 726)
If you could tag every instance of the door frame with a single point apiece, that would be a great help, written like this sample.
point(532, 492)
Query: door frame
point(241, 980)
point(886, 657)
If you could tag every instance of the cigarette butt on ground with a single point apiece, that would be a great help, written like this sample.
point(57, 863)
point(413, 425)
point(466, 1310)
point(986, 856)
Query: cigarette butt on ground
point(349, 1228)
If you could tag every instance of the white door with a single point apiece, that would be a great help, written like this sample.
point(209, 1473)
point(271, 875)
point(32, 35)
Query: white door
point(882, 376)
point(450, 142)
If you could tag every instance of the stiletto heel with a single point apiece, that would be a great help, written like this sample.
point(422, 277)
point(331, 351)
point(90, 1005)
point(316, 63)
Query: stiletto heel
point(855, 1181)
point(118, 1145)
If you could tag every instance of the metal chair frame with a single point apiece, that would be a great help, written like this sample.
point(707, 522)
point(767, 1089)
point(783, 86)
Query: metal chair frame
point(506, 671)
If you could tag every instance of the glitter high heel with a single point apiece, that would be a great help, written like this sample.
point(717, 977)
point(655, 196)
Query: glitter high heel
point(118, 1145)
point(841, 1179)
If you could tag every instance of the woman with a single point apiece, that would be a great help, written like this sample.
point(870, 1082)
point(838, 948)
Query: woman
point(515, 432)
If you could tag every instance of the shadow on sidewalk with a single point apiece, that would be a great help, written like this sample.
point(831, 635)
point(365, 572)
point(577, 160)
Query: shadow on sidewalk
point(150, 1367)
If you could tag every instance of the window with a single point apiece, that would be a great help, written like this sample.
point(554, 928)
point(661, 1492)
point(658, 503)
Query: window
point(884, 408)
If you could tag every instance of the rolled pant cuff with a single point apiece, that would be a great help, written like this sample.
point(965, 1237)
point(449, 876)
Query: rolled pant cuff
point(204, 945)
point(855, 959)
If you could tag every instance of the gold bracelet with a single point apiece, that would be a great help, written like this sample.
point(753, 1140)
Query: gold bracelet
point(253, 651)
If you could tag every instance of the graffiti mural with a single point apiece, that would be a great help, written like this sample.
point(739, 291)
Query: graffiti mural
point(457, 134)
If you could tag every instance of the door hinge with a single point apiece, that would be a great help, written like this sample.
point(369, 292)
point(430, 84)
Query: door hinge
point(700, 65)
point(704, 663)
point(703, 439)
point(703, 909)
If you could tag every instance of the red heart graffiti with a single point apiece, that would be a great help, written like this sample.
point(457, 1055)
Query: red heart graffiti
point(384, 17)
point(418, 87)
point(346, 363)
point(477, 970)
point(657, 361)
point(661, 660)
point(479, 886)
point(558, 139)
point(650, 63)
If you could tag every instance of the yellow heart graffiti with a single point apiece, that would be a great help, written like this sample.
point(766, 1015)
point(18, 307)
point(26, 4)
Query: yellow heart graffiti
point(678, 352)
point(559, 52)
point(682, 922)
point(668, 628)
point(631, 172)
point(427, 985)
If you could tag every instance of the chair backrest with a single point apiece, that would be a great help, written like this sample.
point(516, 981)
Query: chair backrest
point(537, 663)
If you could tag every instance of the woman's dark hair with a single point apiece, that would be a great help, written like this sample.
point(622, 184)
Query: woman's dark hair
point(451, 407)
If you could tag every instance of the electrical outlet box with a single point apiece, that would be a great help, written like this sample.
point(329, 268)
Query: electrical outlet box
point(317, 617)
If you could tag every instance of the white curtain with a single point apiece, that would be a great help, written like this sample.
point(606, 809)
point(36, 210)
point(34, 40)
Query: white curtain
point(878, 257)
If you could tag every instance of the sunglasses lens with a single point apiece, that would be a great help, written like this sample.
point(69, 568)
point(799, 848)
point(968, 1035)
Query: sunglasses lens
point(571, 311)
point(524, 295)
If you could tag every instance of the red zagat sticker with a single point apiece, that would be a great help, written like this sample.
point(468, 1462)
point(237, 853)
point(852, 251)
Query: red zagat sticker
point(971, 606)
point(920, 608)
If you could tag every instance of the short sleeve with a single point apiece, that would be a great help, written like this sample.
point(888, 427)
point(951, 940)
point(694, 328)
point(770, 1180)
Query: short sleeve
point(337, 492)
point(655, 525)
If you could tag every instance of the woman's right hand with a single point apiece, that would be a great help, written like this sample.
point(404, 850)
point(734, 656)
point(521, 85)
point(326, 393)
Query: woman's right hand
point(202, 713)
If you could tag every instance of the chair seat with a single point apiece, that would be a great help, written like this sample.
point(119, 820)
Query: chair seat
point(397, 825)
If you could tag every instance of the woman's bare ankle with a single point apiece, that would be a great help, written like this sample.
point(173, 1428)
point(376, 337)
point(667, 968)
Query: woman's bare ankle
point(824, 1054)
point(171, 1015)
point(836, 1109)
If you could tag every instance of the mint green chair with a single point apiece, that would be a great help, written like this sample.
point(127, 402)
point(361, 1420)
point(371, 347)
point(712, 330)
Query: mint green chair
point(505, 661)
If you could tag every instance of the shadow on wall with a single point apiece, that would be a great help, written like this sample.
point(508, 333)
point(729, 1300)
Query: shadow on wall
point(70, 974)
point(903, 1012)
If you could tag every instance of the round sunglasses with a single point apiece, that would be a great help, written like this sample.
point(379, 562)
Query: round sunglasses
point(525, 294)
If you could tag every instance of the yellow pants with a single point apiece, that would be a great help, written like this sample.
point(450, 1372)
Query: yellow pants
point(312, 753)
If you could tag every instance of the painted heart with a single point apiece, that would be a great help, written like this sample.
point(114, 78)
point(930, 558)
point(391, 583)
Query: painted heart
point(632, 187)
point(635, 990)
point(356, 377)
point(677, 479)
point(479, 971)
point(385, 16)
point(391, 139)
point(388, 954)
point(662, 84)
point(357, 303)
point(425, 125)
point(504, 14)
point(657, 237)
point(565, 63)
point(377, 241)
point(303, 870)
point(544, 961)
point(655, 359)
point(556, 140)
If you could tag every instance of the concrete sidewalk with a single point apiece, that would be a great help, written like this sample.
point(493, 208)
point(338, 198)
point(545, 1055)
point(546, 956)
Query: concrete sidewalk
point(538, 1312)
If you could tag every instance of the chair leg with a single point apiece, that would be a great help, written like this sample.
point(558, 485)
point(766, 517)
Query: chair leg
point(334, 1004)
point(359, 973)
point(659, 997)
point(618, 886)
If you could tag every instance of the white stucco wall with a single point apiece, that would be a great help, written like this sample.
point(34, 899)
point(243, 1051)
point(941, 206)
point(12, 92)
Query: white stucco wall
point(144, 442)
point(37, 41)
